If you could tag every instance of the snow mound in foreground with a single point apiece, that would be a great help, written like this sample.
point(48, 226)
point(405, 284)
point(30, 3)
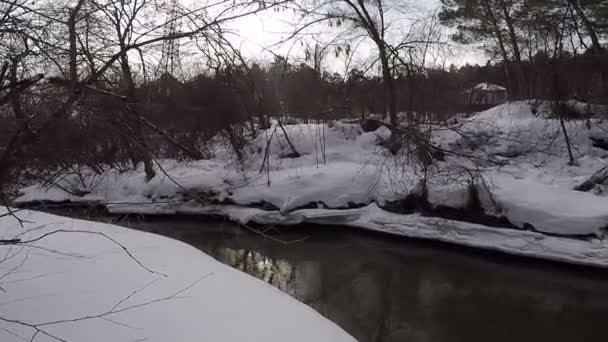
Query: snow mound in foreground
point(70, 275)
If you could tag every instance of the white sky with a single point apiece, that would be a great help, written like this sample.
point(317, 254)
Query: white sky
point(258, 33)
point(258, 37)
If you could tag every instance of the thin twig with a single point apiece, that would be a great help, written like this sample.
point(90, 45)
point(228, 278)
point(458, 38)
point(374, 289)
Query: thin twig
point(272, 237)
point(63, 231)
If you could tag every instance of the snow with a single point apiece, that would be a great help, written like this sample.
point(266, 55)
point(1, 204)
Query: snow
point(550, 208)
point(592, 252)
point(528, 181)
point(350, 171)
point(536, 186)
point(588, 108)
point(72, 275)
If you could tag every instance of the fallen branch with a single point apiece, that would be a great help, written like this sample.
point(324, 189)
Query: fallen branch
point(195, 155)
point(294, 153)
point(263, 234)
point(599, 177)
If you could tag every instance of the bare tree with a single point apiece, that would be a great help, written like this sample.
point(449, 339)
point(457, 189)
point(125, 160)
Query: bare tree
point(576, 5)
point(100, 56)
point(370, 18)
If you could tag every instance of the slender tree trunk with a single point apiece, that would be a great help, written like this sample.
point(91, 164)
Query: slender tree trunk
point(16, 98)
point(73, 52)
point(145, 155)
point(521, 75)
point(503, 51)
point(143, 151)
point(577, 28)
point(376, 32)
point(587, 23)
point(567, 139)
point(72, 36)
point(511, 30)
point(389, 84)
point(560, 109)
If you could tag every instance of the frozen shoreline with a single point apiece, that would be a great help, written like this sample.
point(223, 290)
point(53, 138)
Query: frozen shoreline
point(587, 252)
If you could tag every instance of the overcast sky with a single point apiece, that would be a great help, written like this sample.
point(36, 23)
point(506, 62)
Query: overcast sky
point(257, 34)
point(258, 37)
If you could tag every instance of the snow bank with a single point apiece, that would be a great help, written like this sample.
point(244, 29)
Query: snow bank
point(535, 184)
point(72, 275)
point(519, 242)
point(527, 127)
point(551, 209)
point(340, 165)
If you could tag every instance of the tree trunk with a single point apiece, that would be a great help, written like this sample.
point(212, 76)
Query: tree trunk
point(144, 153)
point(72, 36)
point(522, 85)
point(512, 92)
point(72, 52)
point(588, 25)
point(511, 30)
point(15, 97)
point(560, 109)
point(377, 35)
point(567, 139)
point(389, 84)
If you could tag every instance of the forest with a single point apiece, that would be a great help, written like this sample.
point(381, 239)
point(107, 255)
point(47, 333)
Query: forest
point(94, 59)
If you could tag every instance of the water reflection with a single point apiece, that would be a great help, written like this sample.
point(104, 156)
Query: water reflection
point(276, 272)
point(379, 289)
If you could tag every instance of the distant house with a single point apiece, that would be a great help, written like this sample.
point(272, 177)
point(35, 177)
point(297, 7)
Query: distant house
point(486, 94)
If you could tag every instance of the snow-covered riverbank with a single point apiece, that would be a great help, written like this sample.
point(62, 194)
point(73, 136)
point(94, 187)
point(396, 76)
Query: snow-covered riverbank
point(588, 252)
point(74, 285)
point(522, 153)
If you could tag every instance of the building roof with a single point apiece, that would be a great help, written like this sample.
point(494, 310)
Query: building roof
point(489, 87)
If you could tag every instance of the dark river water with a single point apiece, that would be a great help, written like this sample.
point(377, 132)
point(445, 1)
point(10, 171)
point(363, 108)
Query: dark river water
point(381, 288)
